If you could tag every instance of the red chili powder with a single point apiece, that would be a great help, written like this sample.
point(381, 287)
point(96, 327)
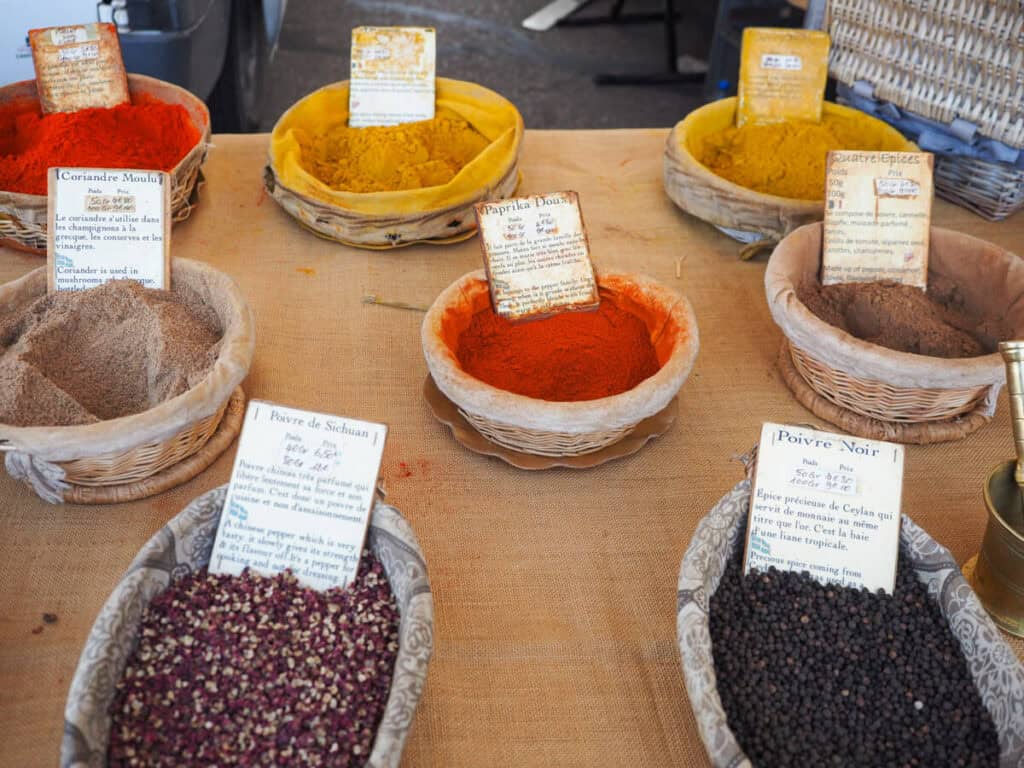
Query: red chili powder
point(148, 134)
point(568, 357)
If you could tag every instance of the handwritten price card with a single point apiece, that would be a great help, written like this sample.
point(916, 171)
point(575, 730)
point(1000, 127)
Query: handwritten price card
point(782, 75)
point(537, 256)
point(393, 75)
point(827, 504)
point(300, 495)
point(877, 217)
point(108, 224)
point(78, 67)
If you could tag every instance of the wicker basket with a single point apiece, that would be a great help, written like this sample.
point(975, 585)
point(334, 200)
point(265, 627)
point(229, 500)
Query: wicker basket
point(23, 217)
point(945, 60)
point(145, 453)
point(184, 544)
point(881, 384)
point(547, 428)
point(765, 218)
point(382, 220)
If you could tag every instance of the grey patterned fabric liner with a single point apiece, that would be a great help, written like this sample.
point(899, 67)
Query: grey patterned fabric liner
point(184, 545)
point(997, 672)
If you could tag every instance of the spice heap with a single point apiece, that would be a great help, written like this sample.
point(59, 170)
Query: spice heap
point(427, 153)
point(785, 159)
point(114, 350)
point(147, 134)
point(568, 357)
point(904, 318)
point(254, 670)
point(813, 674)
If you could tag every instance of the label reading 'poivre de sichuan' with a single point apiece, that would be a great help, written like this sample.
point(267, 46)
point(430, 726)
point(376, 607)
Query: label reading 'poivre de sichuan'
point(78, 67)
point(392, 75)
point(300, 495)
point(537, 256)
point(782, 75)
point(108, 224)
point(877, 217)
point(827, 504)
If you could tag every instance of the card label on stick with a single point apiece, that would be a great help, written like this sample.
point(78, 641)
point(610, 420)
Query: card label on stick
point(300, 495)
point(392, 76)
point(108, 224)
point(877, 217)
point(78, 67)
point(827, 504)
point(537, 256)
point(782, 75)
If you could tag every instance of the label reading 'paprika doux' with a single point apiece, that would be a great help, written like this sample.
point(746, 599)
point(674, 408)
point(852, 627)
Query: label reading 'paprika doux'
point(78, 67)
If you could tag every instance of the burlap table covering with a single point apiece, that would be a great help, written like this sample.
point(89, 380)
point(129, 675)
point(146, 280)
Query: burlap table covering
point(554, 591)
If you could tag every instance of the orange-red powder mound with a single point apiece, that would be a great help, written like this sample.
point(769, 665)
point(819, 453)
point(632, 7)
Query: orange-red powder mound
point(569, 357)
point(147, 134)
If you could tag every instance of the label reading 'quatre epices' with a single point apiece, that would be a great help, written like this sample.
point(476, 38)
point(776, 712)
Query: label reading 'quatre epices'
point(78, 67)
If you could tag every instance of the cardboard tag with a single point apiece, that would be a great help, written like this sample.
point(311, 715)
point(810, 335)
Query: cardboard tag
point(392, 76)
point(300, 495)
point(78, 67)
point(108, 224)
point(878, 208)
point(827, 504)
point(537, 256)
point(782, 75)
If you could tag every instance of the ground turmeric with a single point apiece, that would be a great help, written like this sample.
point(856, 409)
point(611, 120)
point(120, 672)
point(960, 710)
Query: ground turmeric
point(391, 158)
point(787, 159)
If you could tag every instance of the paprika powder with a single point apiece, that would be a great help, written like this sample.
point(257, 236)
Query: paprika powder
point(147, 134)
point(568, 357)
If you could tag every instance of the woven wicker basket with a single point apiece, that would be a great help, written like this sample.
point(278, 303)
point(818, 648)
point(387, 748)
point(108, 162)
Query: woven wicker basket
point(881, 384)
point(135, 456)
point(382, 220)
point(704, 194)
point(547, 428)
point(23, 217)
point(944, 60)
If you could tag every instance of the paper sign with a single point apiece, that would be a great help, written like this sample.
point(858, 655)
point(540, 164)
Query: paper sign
point(78, 67)
point(782, 75)
point(108, 224)
point(537, 256)
point(392, 77)
point(827, 504)
point(300, 495)
point(877, 217)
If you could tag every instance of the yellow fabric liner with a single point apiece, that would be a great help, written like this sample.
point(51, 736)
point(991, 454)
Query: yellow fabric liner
point(490, 114)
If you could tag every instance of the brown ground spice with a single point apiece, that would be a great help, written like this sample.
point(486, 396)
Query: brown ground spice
point(118, 349)
point(937, 323)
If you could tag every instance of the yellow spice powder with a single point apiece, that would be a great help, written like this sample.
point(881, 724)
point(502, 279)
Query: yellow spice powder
point(785, 159)
point(391, 158)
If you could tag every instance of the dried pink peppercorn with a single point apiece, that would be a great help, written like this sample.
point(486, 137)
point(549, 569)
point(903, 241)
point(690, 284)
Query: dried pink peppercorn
point(257, 671)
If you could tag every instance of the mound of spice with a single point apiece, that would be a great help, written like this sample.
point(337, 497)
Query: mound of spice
point(114, 350)
point(936, 322)
point(568, 357)
point(148, 134)
point(254, 670)
point(785, 159)
point(813, 674)
point(427, 153)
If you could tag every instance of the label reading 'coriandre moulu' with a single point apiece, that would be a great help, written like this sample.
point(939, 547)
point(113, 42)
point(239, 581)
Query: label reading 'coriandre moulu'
point(108, 224)
point(782, 75)
point(392, 77)
point(537, 256)
point(877, 217)
point(78, 67)
point(827, 504)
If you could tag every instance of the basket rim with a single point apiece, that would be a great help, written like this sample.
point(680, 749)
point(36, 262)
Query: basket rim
point(467, 199)
point(165, 419)
point(899, 369)
point(678, 152)
point(27, 199)
point(572, 417)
